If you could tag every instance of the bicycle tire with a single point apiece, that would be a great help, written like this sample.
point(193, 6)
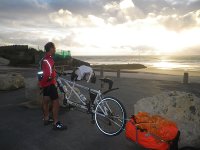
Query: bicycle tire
point(121, 107)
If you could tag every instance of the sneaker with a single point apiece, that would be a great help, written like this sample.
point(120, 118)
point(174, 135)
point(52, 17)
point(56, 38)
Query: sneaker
point(59, 126)
point(51, 119)
point(48, 122)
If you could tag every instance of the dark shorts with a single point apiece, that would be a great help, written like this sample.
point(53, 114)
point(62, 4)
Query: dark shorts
point(51, 91)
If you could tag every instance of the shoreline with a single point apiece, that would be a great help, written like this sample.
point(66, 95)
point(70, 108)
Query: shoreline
point(139, 68)
point(120, 66)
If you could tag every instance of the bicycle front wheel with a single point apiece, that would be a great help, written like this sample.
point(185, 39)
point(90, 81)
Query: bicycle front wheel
point(110, 116)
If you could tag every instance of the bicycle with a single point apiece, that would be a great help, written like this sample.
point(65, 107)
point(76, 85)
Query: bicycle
point(107, 112)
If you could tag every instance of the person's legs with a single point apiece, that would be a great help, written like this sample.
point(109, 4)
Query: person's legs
point(55, 104)
point(51, 111)
point(45, 106)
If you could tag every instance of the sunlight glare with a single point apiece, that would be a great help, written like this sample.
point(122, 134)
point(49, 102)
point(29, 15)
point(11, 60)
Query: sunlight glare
point(169, 65)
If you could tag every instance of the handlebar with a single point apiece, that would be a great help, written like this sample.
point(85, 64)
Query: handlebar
point(107, 81)
point(109, 90)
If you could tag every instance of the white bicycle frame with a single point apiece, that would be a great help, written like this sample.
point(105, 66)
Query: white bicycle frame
point(99, 102)
point(71, 85)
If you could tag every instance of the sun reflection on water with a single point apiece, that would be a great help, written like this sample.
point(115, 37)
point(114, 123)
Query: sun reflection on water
point(169, 65)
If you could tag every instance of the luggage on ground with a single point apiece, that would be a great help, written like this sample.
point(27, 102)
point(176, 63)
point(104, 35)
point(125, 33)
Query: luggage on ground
point(151, 131)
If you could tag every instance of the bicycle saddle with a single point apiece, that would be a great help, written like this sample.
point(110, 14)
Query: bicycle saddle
point(107, 80)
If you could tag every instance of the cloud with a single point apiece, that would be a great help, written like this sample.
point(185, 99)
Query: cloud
point(177, 23)
point(178, 2)
point(122, 12)
point(126, 11)
point(66, 18)
point(32, 39)
point(138, 50)
point(22, 8)
point(68, 41)
point(103, 26)
point(114, 13)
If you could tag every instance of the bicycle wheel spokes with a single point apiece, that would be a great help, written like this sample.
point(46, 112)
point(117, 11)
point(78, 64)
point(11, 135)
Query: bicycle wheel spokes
point(110, 116)
point(106, 117)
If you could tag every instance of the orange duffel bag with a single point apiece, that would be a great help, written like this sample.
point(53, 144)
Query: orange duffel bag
point(152, 132)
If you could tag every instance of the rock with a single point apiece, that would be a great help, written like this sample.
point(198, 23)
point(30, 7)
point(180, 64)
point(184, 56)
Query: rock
point(71, 62)
point(34, 95)
point(32, 92)
point(181, 107)
point(11, 81)
point(4, 61)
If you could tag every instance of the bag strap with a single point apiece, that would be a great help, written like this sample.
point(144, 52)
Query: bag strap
point(159, 138)
point(134, 122)
point(134, 119)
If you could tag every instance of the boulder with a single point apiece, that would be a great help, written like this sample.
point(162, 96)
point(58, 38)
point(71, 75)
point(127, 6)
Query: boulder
point(33, 94)
point(4, 61)
point(181, 107)
point(11, 81)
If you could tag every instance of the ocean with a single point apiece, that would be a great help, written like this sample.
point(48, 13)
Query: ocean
point(187, 63)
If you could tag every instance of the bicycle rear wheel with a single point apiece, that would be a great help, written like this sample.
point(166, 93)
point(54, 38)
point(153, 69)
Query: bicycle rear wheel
point(110, 116)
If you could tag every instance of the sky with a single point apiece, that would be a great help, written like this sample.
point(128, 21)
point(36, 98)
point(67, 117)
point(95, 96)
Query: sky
point(104, 27)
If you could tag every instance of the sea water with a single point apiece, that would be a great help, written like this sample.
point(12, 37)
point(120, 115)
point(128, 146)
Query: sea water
point(189, 63)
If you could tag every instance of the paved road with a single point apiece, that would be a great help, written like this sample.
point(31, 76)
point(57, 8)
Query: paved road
point(22, 129)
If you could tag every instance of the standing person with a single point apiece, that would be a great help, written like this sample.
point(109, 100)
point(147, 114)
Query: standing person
point(48, 83)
